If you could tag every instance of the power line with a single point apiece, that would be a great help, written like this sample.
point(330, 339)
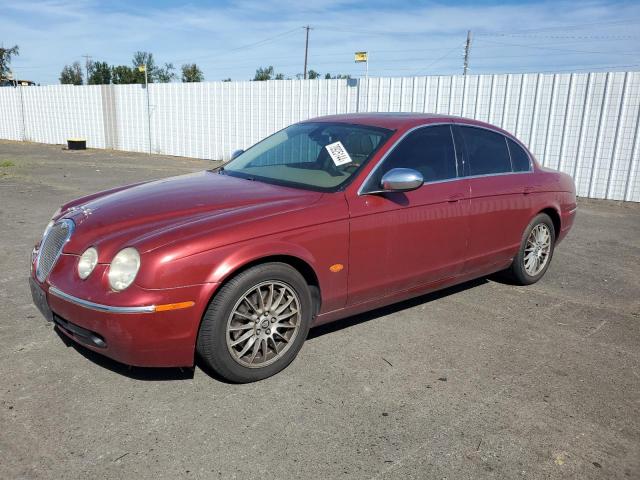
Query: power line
point(569, 68)
point(566, 27)
point(576, 37)
point(552, 54)
point(242, 47)
point(447, 53)
point(525, 32)
point(544, 47)
point(369, 32)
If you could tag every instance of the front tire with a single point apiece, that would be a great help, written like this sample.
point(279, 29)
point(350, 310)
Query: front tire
point(536, 251)
point(256, 324)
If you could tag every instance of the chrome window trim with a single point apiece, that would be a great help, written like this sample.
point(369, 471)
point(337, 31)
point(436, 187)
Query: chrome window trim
point(397, 142)
point(455, 148)
point(494, 175)
point(97, 306)
point(71, 226)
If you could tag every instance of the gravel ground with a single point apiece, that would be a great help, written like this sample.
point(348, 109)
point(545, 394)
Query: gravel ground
point(484, 380)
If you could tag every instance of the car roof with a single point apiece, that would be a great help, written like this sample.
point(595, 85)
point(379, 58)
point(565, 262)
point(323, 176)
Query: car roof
point(398, 120)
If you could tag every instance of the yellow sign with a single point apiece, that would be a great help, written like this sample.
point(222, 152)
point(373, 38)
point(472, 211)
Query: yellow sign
point(142, 68)
point(361, 57)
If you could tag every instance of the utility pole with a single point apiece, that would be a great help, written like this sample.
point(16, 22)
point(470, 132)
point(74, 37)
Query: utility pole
point(87, 60)
point(366, 75)
point(146, 84)
point(24, 123)
point(143, 68)
point(467, 53)
point(306, 50)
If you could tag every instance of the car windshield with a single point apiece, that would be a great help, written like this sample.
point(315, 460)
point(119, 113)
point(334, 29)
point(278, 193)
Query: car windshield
point(317, 156)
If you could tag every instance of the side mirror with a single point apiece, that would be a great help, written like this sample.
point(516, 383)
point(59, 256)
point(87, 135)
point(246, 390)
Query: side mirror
point(236, 154)
point(401, 180)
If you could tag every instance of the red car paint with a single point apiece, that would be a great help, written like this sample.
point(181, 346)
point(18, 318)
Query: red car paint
point(195, 231)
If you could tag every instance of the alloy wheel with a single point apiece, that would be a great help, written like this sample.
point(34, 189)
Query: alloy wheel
point(537, 249)
point(263, 324)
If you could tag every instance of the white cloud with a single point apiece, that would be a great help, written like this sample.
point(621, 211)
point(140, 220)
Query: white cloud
point(403, 40)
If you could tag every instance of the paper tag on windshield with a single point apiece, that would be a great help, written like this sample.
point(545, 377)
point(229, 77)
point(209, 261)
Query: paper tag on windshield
point(338, 153)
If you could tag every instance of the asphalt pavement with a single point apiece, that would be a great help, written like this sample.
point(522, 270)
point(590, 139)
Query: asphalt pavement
point(483, 380)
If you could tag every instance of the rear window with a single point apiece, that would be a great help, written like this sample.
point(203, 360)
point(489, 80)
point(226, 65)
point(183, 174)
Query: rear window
point(519, 158)
point(487, 151)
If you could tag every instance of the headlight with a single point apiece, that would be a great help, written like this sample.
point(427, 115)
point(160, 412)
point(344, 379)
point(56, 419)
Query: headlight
point(87, 262)
point(124, 268)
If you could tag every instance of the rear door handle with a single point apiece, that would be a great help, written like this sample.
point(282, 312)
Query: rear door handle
point(455, 197)
point(527, 190)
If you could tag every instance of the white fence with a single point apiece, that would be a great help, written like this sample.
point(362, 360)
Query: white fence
point(583, 124)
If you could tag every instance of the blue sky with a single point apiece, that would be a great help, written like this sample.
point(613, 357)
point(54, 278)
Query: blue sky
point(232, 39)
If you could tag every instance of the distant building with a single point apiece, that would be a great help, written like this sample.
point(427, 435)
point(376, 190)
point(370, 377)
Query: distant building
point(10, 82)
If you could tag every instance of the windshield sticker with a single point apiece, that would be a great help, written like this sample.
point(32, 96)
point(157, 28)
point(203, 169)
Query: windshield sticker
point(338, 153)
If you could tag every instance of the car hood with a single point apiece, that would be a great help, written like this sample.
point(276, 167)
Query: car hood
point(153, 214)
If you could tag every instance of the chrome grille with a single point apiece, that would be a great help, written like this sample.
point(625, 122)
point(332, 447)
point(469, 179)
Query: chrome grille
point(51, 247)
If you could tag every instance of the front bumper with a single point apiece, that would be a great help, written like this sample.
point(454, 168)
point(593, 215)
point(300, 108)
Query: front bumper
point(135, 334)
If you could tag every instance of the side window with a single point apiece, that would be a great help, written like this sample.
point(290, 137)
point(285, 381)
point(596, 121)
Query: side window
point(428, 150)
point(519, 158)
point(487, 151)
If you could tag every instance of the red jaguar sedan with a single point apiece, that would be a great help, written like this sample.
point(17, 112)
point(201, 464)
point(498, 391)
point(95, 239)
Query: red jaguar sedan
point(327, 218)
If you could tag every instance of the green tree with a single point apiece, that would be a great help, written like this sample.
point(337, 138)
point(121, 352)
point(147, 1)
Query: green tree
point(263, 73)
point(154, 73)
point(226, 79)
point(146, 59)
point(99, 74)
point(191, 73)
point(165, 74)
point(123, 74)
point(340, 75)
point(71, 74)
point(312, 75)
point(267, 73)
point(5, 59)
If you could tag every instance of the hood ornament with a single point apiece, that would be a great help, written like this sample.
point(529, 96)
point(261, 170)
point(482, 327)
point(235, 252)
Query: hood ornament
point(80, 209)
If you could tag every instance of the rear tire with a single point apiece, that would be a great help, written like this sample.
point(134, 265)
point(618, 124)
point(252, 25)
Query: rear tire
point(536, 250)
point(256, 324)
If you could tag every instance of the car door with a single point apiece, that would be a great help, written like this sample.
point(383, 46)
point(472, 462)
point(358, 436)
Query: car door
point(499, 207)
point(402, 240)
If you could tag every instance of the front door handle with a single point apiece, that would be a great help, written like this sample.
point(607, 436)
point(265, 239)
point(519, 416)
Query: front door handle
point(455, 197)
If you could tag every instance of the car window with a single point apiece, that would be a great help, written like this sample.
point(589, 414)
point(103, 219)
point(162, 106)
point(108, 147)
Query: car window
point(428, 150)
point(519, 158)
point(486, 150)
point(299, 156)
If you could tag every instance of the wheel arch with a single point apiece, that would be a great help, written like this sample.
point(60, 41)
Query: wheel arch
point(302, 266)
point(232, 262)
point(233, 265)
point(553, 213)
